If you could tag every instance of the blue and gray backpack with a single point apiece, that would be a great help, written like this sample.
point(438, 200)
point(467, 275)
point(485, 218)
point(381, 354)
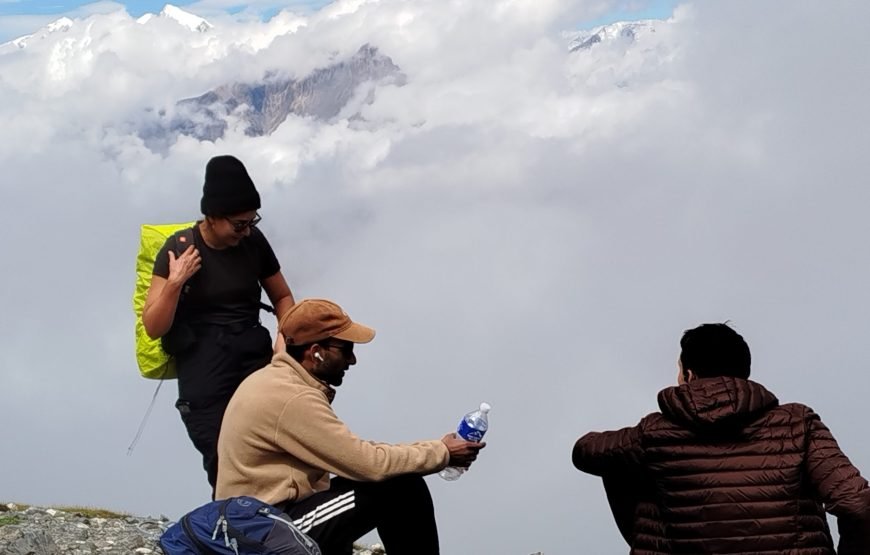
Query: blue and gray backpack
point(236, 526)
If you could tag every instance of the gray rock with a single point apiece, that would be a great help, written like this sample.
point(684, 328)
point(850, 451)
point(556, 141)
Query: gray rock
point(33, 542)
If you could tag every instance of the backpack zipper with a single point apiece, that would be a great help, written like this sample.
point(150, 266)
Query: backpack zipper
point(233, 537)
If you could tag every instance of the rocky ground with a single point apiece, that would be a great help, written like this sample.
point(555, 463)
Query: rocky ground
point(45, 531)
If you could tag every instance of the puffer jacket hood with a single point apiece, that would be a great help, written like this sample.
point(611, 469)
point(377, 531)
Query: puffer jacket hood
point(720, 404)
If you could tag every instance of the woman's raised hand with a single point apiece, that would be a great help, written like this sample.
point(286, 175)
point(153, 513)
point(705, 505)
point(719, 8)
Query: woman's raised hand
point(183, 267)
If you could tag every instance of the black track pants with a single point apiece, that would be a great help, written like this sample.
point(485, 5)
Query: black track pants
point(401, 510)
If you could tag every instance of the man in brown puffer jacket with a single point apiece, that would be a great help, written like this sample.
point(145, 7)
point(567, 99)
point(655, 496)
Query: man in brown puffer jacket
point(725, 469)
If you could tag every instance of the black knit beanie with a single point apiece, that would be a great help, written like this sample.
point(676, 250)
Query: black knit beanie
point(228, 189)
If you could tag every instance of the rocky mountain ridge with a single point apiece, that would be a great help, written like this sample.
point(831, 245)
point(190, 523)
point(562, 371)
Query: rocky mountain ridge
point(340, 89)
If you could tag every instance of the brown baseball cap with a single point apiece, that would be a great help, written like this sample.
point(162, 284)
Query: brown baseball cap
point(313, 320)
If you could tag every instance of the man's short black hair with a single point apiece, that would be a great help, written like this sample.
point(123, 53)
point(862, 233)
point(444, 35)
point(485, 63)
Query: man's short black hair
point(297, 352)
point(712, 350)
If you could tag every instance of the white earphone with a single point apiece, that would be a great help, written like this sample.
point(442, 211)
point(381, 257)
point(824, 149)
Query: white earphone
point(318, 357)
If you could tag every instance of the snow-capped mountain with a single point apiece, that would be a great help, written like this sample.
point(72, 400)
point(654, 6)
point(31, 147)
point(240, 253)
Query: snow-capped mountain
point(186, 19)
point(627, 31)
point(64, 24)
point(264, 105)
point(622, 54)
point(58, 26)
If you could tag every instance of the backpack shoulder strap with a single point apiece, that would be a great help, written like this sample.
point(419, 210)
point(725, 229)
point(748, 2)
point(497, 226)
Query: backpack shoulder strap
point(184, 240)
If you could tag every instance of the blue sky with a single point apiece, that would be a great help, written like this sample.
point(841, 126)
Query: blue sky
point(628, 10)
point(134, 8)
point(22, 17)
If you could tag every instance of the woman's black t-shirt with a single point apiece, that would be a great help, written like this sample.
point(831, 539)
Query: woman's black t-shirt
point(226, 289)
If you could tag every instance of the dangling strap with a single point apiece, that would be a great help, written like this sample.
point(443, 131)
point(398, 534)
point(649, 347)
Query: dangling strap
point(147, 413)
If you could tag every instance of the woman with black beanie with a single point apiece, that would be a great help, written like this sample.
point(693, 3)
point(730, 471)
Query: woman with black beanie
point(204, 302)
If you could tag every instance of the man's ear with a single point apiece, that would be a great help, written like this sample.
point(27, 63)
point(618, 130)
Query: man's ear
point(308, 360)
point(688, 375)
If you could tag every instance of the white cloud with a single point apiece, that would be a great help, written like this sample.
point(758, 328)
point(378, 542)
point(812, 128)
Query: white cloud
point(522, 224)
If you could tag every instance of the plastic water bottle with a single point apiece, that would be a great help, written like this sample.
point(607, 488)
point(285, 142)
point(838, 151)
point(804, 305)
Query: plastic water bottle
point(471, 428)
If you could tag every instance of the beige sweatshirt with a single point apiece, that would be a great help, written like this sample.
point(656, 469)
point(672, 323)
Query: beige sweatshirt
point(280, 440)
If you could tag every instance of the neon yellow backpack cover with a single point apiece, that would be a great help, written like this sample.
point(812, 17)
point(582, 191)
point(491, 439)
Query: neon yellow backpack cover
point(153, 361)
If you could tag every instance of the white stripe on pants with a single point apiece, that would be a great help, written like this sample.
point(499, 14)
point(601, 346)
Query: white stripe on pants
point(326, 511)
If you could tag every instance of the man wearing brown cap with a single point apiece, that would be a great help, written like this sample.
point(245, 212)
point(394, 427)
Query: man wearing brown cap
point(280, 442)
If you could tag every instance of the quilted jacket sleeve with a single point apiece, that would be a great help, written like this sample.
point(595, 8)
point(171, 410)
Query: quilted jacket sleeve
point(601, 453)
point(840, 486)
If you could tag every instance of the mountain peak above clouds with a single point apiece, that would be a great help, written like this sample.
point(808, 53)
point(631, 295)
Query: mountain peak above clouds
point(169, 11)
point(262, 106)
point(624, 54)
point(184, 18)
point(61, 25)
point(627, 31)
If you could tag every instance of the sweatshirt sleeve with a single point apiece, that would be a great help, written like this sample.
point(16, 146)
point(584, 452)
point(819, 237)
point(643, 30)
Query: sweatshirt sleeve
point(310, 429)
point(840, 486)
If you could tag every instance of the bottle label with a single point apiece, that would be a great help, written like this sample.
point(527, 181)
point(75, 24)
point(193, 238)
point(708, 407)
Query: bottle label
point(468, 433)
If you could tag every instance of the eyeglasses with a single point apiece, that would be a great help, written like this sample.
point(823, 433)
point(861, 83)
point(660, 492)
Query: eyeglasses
point(345, 348)
point(241, 225)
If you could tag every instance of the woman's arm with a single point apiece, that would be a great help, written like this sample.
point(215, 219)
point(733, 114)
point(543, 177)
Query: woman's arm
point(279, 293)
